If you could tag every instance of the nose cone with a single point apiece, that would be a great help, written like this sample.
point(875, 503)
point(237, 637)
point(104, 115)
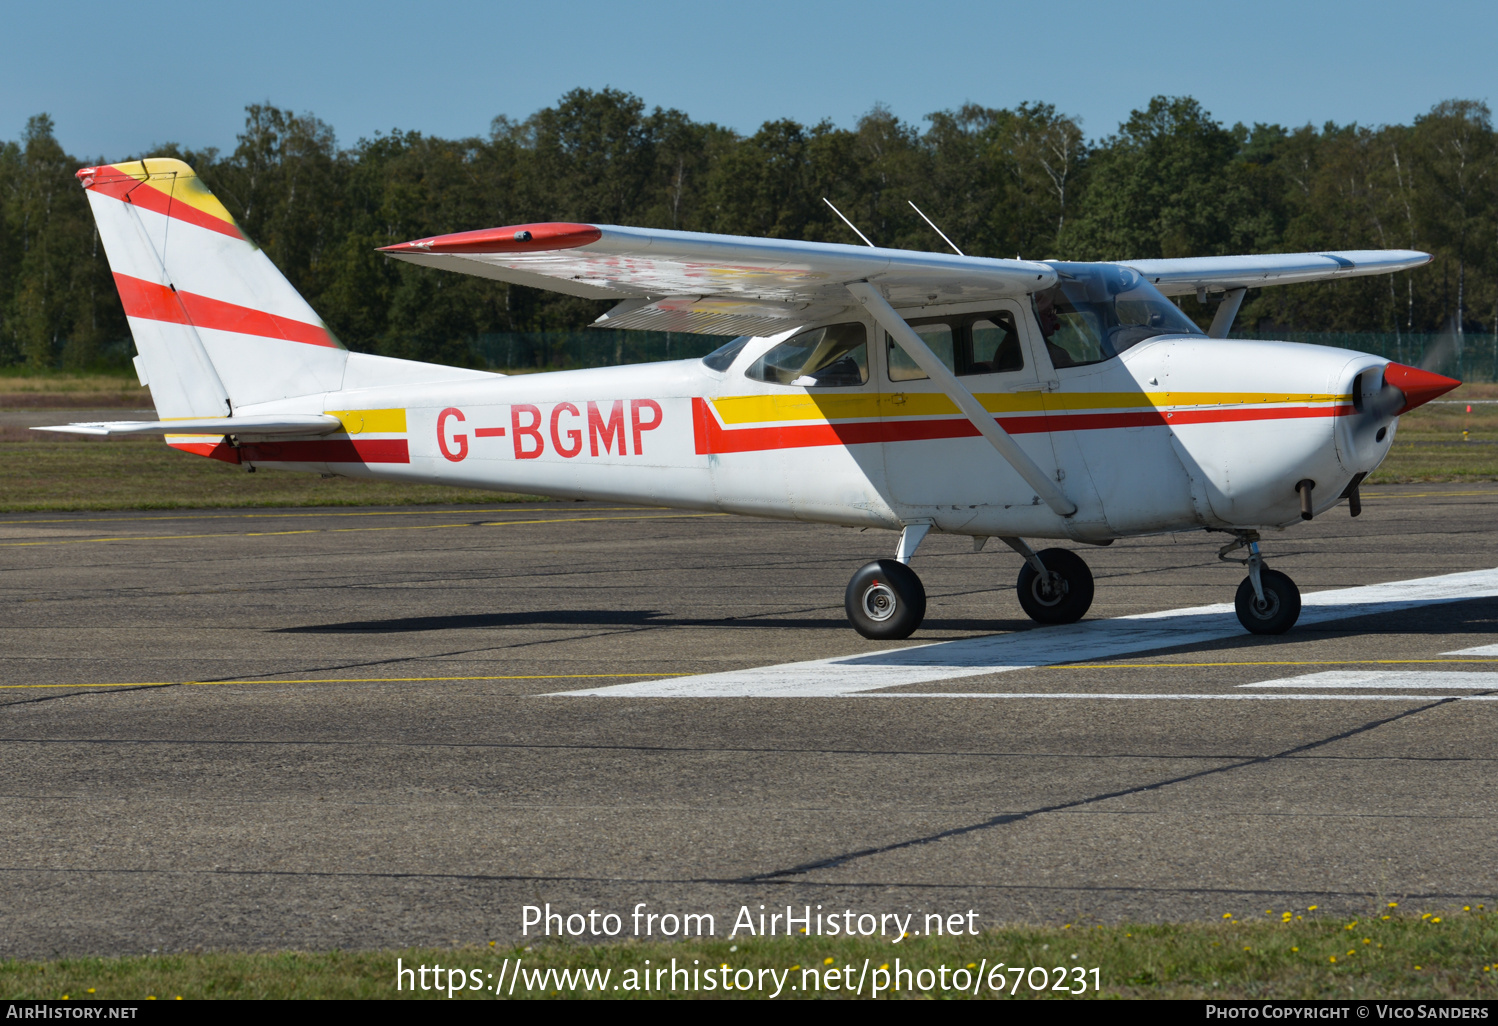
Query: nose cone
point(1419, 386)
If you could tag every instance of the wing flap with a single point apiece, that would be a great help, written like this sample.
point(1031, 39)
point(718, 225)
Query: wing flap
point(712, 315)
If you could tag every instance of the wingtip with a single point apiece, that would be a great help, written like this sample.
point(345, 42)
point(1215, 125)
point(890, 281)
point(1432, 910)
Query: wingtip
point(519, 238)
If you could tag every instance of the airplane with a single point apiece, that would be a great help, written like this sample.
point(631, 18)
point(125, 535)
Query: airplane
point(866, 387)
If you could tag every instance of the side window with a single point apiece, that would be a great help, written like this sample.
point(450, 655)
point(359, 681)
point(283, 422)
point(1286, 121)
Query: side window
point(722, 358)
point(995, 345)
point(837, 354)
point(937, 335)
point(1073, 336)
point(974, 344)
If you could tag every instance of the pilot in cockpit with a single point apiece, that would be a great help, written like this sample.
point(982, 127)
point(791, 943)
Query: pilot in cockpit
point(1050, 323)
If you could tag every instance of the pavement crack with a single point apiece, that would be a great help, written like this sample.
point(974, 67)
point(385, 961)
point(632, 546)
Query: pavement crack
point(836, 861)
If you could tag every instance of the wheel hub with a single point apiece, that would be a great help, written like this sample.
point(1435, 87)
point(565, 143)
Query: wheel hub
point(1268, 607)
point(879, 602)
point(1050, 589)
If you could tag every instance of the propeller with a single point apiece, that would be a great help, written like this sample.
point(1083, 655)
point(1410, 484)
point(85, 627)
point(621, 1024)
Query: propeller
point(1380, 396)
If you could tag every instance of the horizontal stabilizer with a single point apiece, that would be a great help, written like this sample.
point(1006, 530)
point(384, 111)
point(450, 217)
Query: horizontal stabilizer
point(283, 424)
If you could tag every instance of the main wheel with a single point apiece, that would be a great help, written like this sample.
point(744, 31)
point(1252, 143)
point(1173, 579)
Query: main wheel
point(1065, 597)
point(1279, 610)
point(885, 600)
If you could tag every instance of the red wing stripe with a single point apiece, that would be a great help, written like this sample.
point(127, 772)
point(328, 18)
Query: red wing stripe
point(154, 302)
point(712, 438)
point(132, 190)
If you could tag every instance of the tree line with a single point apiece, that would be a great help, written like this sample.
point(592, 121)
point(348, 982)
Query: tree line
point(1170, 181)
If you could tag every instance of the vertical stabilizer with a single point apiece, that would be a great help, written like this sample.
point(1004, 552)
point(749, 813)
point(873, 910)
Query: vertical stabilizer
point(216, 325)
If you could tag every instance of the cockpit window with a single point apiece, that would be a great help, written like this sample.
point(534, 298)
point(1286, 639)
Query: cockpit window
point(837, 354)
point(722, 358)
point(1096, 311)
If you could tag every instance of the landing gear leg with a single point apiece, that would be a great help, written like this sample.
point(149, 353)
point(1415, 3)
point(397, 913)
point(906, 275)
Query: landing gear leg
point(1055, 585)
point(1267, 602)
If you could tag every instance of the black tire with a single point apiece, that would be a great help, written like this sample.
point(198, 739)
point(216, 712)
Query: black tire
point(885, 600)
point(1281, 604)
point(1074, 597)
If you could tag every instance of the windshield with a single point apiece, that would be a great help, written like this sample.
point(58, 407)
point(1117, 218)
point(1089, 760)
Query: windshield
point(1096, 311)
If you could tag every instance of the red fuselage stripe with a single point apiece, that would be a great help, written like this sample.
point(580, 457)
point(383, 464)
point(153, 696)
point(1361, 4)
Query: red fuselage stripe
point(153, 302)
point(369, 450)
point(333, 450)
point(711, 438)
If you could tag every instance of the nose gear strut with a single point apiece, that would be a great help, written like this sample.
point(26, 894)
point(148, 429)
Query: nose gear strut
point(1268, 602)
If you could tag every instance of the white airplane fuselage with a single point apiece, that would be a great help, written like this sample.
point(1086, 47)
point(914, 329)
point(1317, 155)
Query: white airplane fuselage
point(1178, 433)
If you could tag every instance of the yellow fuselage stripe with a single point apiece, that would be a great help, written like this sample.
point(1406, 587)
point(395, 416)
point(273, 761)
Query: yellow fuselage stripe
point(760, 409)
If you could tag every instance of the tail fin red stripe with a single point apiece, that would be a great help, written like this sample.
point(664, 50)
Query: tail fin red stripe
point(150, 301)
point(121, 186)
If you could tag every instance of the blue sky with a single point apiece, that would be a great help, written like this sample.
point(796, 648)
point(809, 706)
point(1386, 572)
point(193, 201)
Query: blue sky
point(119, 77)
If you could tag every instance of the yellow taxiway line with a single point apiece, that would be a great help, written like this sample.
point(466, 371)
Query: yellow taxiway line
point(339, 680)
point(346, 530)
point(499, 508)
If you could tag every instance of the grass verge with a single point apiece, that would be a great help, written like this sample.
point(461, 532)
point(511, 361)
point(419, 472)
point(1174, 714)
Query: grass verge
point(1388, 955)
point(135, 473)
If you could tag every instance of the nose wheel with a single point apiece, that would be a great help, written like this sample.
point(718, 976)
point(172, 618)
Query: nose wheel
point(885, 600)
point(1267, 602)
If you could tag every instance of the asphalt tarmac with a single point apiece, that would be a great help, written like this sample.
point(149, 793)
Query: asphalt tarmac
point(352, 727)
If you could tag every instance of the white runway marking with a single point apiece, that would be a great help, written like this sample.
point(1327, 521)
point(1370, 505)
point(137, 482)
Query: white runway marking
point(1456, 680)
point(1480, 650)
point(1186, 697)
point(1045, 646)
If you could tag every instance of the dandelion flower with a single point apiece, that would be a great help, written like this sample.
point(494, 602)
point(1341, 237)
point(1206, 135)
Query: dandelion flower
point(826, 961)
point(1294, 949)
point(1313, 908)
point(1227, 915)
point(1437, 919)
point(1393, 904)
point(1334, 958)
point(886, 966)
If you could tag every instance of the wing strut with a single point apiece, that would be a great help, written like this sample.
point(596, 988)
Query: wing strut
point(1226, 313)
point(984, 421)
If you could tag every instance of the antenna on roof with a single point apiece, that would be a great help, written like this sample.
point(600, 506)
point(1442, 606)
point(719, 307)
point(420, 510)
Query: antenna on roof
point(849, 223)
point(935, 229)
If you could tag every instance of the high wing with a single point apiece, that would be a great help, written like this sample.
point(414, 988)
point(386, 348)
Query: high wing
point(1225, 273)
point(731, 284)
point(715, 284)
